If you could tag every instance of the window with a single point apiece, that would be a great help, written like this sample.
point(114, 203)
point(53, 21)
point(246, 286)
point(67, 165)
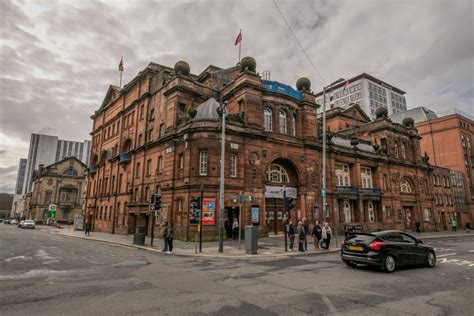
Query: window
point(347, 212)
point(147, 194)
point(162, 129)
point(277, 174)
point(388, 211)
point(140, 138)
point(149, 135)
point(399, 215)
point(233, 165)
point(136, 195)
point(267, 117)
point(385, 183)
point(160, 164)
point(293, 125)
point(137, 171)
point(427, 214)
point(119, 185)
point(142, 111)
point(342, 175)
point(148, 167)
point(282, 121)
point(403, 151)
point(405, 186)
point(203, 163)
point(370, 212)
point(70, 172)
point(180, 206)
point(181, 161)
point(366, 175)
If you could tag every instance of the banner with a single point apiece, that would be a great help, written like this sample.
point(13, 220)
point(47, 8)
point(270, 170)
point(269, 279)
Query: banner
point(277, 192)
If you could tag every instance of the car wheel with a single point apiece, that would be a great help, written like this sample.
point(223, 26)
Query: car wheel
point(431, 259)
point(350, 263)
point(389, 264)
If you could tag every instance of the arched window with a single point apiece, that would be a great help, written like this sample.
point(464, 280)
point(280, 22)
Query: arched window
point(277, 174)
point(293, 125)
point(70, 172)
point(267, 117)
point(347, 212)
point(405, 186)
point(127, 146)
point(282, 122)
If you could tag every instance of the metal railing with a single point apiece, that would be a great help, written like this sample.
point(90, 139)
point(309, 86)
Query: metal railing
point(454, 111)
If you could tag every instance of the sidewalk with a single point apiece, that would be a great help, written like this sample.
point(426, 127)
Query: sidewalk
point(268, 247)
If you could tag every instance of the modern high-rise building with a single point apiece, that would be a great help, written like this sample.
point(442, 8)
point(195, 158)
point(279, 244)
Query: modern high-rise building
point(20, 179)
point(46, 150)
point(368, 92)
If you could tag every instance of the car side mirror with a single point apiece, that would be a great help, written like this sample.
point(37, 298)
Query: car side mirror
point(419, 241)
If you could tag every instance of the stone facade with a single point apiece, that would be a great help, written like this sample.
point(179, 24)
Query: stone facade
point(62, 184)
point(161, 133)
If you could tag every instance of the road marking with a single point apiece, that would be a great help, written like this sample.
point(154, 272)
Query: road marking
point(471, 251)
point(458, 262)
point(448, 254)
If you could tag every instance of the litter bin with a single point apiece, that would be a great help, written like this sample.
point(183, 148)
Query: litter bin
point(139, 237)
point(251, 239)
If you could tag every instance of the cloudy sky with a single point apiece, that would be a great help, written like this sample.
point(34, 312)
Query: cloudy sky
point(57, 58)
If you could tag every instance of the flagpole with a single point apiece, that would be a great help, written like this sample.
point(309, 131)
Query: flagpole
point(240, 45)
point(121, 71)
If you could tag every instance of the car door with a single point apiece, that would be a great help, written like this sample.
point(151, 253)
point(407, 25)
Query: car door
point(416, 250)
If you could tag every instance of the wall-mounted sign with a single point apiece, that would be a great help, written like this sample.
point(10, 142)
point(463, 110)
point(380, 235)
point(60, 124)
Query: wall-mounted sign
point(234, 146)
point(277, 192)
point(209, 211)
point(255, 214)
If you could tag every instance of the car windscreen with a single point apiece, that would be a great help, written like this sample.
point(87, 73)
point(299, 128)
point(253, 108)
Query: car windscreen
point(361, 238)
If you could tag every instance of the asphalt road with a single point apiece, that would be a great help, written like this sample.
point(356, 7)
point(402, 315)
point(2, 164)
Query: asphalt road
point(46, 274)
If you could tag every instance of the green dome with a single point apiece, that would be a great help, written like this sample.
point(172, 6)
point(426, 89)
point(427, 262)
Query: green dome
point(182, 67)
point(303, 84)
point(248, 63)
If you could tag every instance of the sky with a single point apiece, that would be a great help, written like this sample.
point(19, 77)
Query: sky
point(57, 58)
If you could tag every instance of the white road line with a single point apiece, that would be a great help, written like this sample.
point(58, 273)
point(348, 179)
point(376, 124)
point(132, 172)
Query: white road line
point(471, 251)
point(445, 255)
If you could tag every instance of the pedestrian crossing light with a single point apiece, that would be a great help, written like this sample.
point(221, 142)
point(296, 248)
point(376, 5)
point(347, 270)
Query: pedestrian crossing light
point(289, 203)
point(157, 202)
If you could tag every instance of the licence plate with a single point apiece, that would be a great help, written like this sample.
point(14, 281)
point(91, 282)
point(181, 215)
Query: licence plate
point(356, 248)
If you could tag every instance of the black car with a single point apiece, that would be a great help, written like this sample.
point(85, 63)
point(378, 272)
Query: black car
point(386, 249)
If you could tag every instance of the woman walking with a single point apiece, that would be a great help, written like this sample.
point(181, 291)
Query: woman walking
point(326, 234)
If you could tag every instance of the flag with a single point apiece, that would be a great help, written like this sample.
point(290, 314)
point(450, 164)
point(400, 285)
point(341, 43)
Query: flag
point(121, 65)
point(238, 39)
point(346, 84)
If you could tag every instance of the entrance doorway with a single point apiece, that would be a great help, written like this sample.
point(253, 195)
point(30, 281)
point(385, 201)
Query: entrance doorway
point(232, 213)
point(132, 223)
point(408, 217)
point(274, 211)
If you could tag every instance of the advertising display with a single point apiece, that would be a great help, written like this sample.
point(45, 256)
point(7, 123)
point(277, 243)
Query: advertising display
point(209, 211)
point(255, 213)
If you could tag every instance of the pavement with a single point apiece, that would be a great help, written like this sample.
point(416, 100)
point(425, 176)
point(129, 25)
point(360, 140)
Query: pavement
point(268, 247)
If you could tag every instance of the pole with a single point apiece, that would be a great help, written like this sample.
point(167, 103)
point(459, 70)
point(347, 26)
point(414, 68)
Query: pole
point(240, 44)
point(240, 219)
point(121, 71)
point(324, 155)
point(221, 191)
point(152, 227)
point(200, 218)
point(286, 215)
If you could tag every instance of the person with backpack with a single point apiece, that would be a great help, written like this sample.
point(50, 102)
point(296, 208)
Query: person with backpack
point(317, 235)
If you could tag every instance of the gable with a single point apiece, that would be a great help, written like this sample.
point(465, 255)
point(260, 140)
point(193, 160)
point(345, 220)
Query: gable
point(356, 113)
point(112, 94)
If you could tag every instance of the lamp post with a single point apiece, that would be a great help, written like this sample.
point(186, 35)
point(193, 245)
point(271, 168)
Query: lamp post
point(221, 190)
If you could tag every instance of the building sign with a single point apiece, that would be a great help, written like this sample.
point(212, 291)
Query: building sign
point(275, 86)
point(255, 214)
point(209, 211)
point(277, 192)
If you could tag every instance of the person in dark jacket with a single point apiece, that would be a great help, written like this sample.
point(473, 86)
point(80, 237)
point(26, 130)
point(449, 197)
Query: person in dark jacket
point(88, 229)
point(326, 234)
point(306, 231)
point(417, 225)
point(301, 236)
point(165, 236)
point(317, 235)
point(170, 237)
point(467, 227)
point(291, 234)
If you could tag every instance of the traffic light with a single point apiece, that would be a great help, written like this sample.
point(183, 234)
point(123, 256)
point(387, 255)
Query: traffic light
point(152, 199)
point(157, 202)
point(289, 203)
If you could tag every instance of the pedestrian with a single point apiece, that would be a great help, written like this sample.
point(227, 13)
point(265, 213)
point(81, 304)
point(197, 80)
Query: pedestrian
point(306, 232)
point(170, 237)
point(235, 229)
point(326, 234)
point(317, 235)
point(467, 226)
point(165, 236)
point(301, 236)
point(291, 234)
point(88, 229)
point(417, 225)
point(454, 225)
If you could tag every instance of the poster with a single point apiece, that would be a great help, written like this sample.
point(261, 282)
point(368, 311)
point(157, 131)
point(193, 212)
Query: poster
point(255, 213)
point(209, 211)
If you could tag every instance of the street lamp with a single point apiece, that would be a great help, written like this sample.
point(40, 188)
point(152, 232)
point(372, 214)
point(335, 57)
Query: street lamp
point(222, 111)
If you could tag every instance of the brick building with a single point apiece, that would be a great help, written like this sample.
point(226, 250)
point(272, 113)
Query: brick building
point(161, 133)
point(447, 139)
point(62, 184)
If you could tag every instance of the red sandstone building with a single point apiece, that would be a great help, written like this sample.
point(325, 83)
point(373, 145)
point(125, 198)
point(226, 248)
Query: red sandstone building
point(161, 133)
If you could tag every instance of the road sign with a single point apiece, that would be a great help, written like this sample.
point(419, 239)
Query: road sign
point(52, 207)
point(152, 207)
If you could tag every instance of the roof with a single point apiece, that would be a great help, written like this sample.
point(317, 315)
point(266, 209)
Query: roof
point(418, 114)
point(344, 142)
point(67, 158)
point(358, 77)
point(208, 110)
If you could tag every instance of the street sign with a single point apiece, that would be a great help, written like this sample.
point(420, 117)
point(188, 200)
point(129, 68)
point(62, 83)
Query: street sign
point(152, 207)
point(52, 207)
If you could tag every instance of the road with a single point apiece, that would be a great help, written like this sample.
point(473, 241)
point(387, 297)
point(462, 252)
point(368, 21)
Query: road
point(43, 273)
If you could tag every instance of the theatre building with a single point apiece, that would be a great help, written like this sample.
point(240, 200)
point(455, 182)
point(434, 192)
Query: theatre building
point(161, 133)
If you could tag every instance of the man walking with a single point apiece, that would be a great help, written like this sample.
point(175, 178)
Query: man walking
point(88, 229)
point(291, 234)
point(306, 232)
point(170, 237)
point(454, 225)
point(165, 237)
point(317, 235)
